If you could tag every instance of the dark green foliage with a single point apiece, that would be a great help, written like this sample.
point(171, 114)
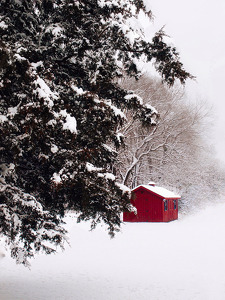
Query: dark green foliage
point(61, 109)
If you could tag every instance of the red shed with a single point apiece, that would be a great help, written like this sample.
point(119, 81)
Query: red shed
point(153, 204)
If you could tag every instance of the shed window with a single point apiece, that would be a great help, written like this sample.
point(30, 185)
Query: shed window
point(165, 205)
point(175, 204)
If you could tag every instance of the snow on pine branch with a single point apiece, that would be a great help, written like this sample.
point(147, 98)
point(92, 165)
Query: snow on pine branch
point(123, 188)
point(27, 227)
point(91, 168)
point(130, 22)
point(70, 122)
point(116, 110)
point(56, 30)
point(79, 91)
point(3, 119)
point(44, 91)
point(135, 97)
point(64, 175)
point(109, 176)
point(3, 25)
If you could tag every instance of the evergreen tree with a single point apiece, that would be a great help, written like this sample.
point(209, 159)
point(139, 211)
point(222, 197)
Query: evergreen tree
point(60, 111)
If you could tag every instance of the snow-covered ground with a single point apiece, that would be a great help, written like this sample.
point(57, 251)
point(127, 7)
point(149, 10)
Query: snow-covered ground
point(184, 259)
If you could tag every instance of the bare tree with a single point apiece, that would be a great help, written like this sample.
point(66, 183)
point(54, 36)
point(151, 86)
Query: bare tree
point(172, 152)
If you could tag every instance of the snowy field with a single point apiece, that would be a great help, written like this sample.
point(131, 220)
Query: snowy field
point(184, 259)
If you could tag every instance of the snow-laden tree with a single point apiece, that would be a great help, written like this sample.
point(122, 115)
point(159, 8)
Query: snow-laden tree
point(60, 111)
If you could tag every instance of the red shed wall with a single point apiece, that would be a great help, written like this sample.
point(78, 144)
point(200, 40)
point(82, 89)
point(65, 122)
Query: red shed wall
point(149, 207)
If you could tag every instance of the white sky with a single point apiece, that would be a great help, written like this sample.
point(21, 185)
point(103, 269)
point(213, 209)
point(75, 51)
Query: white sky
point(197, 28)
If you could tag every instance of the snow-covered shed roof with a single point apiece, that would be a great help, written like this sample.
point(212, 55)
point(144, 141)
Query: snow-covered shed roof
point(158, 190)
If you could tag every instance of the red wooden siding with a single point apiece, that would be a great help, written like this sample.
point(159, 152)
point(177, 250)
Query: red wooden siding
point(150, 208)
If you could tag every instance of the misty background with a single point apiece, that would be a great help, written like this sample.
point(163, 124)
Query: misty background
point(197, 30)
